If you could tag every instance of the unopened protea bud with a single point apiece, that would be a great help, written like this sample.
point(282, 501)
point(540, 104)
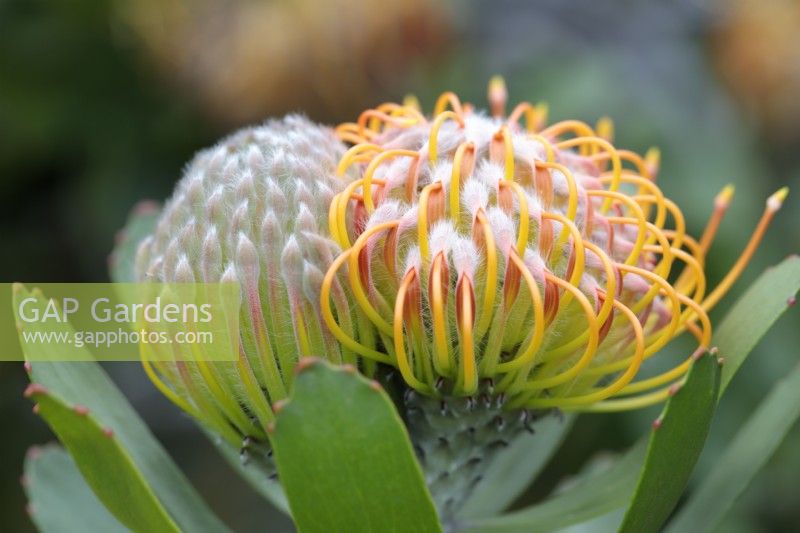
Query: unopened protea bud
point(508, 267)
point(252, 210)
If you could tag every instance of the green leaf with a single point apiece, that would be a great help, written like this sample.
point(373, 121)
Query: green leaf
point(344, 457)
point(755, 442)
point(607, 523)
point(104, 463)
point(754, 313)
point(66, 386)
point(59, 499)
point(141, 223)
point(516, 467)
point(597, 494)
point(675, 445)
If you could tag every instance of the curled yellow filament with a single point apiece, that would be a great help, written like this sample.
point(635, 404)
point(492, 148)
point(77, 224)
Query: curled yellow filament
point(538, 319)
point(373, 165)
point(433, 141)
point(403, 364)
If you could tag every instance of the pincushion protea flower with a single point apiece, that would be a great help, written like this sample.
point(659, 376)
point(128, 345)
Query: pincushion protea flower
point(489, 271)
point(538, 257)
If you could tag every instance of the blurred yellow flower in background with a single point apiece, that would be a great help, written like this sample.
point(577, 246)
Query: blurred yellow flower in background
point(246, 60)
point(755, 47)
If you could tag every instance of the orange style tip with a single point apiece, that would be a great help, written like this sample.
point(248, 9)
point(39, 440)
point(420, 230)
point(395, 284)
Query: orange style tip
point(278, 406)
point(674, 388)
point(27, 366)
point(108, 432)
point(605, 128)
point(791, 301)
point(542, 112)
point(374, 385)
point(725, 196)
point(720, 361)
point(35, 409)
point(776, 200)
point(653, 159)
point(17, 287)
point(81, 410)
point(348, 368)
point(657, 423)
point(271, 428)
point(497, 95)
point(497, 88)
point(305, 363)
point(411, 101)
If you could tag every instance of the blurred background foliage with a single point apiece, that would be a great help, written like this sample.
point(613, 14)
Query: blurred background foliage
point(101, 103)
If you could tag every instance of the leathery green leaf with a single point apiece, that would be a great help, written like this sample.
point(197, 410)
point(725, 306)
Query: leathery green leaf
point(605, 491)
point(677, 439)
point(754, 313)
point(755, 442)
point(67, 386)
point(596, 495)
point(56, 490)
point(344, 457)
point(104, 463)
point(141, 223)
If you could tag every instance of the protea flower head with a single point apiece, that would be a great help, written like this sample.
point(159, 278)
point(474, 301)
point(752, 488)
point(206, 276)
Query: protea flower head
point(490, 268)
point(541, 258)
